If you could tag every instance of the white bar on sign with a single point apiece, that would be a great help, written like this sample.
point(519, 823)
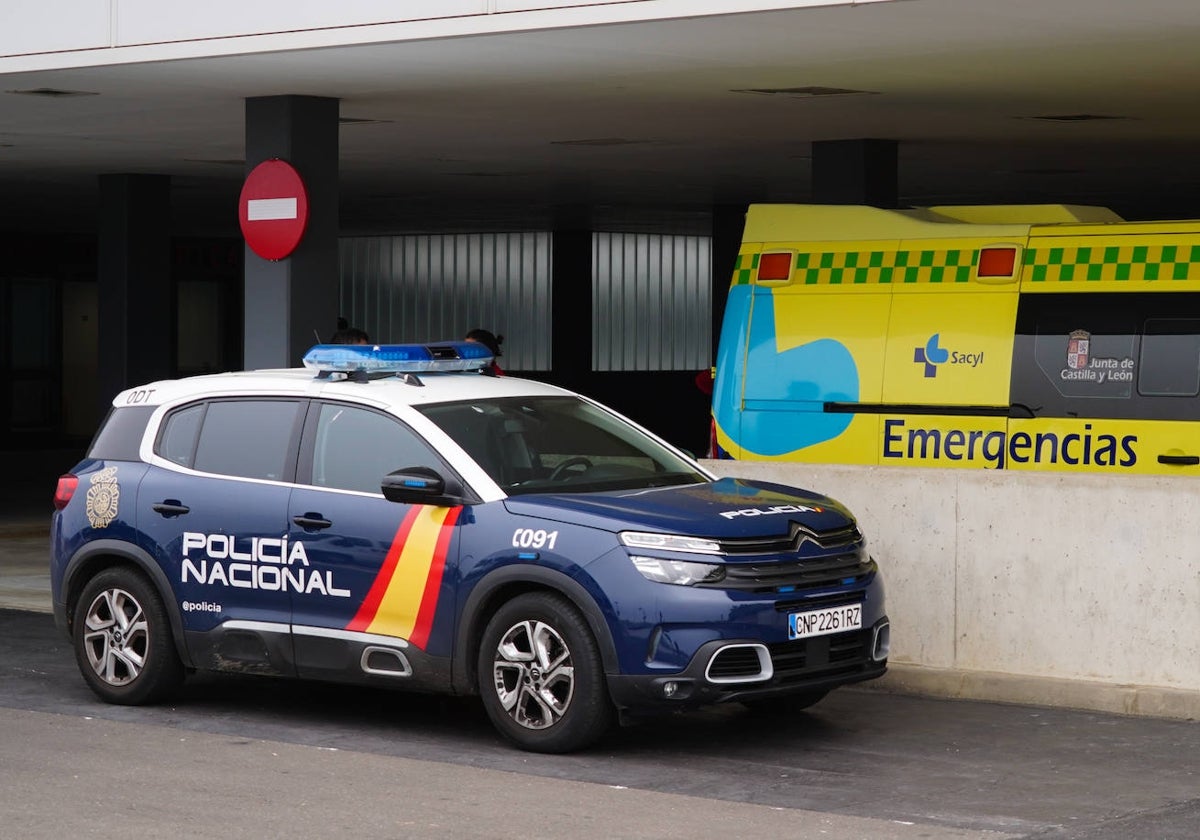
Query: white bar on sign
point(268, 209)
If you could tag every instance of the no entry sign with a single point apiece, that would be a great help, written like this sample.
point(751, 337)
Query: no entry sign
point(273, 209)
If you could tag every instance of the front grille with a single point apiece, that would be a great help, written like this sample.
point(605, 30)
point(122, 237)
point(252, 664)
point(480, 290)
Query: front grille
point(795, 539)
point(803, 659)
point(844, 569)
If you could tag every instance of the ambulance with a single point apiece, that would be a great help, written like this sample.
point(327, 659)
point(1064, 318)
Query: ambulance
point(1039, 337)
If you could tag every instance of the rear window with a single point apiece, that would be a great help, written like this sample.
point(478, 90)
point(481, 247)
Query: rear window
point(120, 435)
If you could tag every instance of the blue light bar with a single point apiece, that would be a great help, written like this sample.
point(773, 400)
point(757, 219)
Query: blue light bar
point(398, 358)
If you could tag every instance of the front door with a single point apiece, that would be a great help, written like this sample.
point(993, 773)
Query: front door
point(376, 569)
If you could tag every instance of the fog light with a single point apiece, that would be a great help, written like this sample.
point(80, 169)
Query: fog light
point(669, 689)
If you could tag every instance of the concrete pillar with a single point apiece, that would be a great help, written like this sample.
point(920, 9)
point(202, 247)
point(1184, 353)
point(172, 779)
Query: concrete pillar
point(290, 302)
point(136, 307)
point(571, 308)
point(855, 172)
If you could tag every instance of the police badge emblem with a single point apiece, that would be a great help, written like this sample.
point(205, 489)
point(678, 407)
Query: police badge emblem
point(1078, 344)
point(103, 498)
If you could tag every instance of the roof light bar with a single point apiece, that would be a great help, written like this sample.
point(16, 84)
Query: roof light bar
point(439, 356)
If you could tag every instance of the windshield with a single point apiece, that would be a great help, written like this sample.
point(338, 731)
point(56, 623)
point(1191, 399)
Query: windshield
point(558, 445)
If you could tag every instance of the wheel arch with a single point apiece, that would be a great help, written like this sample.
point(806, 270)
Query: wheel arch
point(99, 555)
point(500, 586)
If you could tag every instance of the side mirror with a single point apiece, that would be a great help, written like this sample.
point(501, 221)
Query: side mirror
point(419, 486)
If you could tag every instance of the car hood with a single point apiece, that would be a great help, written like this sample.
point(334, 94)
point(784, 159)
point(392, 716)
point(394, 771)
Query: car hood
point(726, 509)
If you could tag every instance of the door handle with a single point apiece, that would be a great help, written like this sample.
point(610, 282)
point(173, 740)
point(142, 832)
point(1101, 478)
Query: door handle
point(170, 507)
point(1182, 460)
point(311, 521)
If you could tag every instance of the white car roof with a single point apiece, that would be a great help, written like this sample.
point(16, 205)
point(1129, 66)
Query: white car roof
point(383, 391)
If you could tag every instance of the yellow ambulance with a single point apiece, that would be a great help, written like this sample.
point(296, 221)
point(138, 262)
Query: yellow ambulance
point(1040, 337)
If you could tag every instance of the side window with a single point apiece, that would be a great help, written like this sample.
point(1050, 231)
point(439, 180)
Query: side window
point(1170, 358)
point(1107, 355)
point(177, 440)
point(248, 438)
point(354, 448)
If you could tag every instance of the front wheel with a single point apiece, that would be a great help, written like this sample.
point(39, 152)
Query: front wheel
point(123, 641)
point(541, 677)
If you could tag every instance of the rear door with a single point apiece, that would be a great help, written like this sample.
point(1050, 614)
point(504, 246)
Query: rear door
point(212, 509)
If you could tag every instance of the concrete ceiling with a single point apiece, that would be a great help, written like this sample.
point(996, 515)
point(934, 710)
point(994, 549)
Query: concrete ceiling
point(652, 123)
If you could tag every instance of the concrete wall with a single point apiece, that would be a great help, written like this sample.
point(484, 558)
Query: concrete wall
point(1074, 590)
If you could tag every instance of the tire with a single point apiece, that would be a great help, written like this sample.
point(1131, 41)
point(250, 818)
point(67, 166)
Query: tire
point(122, 639)
point(541, 677)
point(786, 705)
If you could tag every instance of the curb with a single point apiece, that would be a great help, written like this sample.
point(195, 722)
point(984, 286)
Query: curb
point(1085, 695)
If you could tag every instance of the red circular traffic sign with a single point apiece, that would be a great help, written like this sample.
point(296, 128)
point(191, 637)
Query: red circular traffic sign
point(273, 209)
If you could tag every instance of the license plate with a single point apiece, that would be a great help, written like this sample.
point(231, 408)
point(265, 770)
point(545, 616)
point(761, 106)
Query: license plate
point(803, 625)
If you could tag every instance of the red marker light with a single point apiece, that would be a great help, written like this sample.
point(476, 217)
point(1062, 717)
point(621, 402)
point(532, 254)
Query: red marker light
point(997, 262)
point(775, 267)
point(65, 490)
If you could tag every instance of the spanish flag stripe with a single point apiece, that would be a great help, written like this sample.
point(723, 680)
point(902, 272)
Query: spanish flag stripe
point(370, 604)
point(433, 583)
point(397, 613)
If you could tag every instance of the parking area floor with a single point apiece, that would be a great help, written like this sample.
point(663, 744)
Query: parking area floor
point(861, 763)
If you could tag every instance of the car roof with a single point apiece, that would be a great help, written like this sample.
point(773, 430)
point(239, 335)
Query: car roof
point(413, 389)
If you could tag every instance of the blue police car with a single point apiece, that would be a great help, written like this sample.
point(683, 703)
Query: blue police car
point(394, 515)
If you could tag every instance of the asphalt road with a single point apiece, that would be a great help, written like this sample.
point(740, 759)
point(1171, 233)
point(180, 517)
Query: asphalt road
point(248, 757)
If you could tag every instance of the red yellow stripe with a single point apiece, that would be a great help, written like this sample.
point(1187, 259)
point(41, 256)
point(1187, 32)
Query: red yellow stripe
point(403, 598)
point(433, 582)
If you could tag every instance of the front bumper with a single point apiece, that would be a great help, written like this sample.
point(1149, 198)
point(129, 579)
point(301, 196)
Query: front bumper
point(731, 670)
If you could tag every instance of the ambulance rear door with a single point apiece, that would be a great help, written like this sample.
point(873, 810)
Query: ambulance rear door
point(945, 398)
point(815, 339)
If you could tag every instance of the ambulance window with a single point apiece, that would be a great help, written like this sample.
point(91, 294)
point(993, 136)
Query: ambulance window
point(1074, 356)
point(1170, 358)
point(1119, 355)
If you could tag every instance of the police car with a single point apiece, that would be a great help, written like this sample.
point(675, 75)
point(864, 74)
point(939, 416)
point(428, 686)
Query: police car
point(394, 515)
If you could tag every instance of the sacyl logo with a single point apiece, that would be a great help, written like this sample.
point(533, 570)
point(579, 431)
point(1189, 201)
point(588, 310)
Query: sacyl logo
point(931, 356)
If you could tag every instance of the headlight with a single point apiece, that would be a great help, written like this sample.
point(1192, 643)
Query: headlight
point(670, 542)
point(682, 572)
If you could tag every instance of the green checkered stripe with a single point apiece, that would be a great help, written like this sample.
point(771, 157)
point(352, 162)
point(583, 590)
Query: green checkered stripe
point(1139, 262)
point(836, 268)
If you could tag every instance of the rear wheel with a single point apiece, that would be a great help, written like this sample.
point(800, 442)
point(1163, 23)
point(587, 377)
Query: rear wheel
point(123, 642)
point(541, 677)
